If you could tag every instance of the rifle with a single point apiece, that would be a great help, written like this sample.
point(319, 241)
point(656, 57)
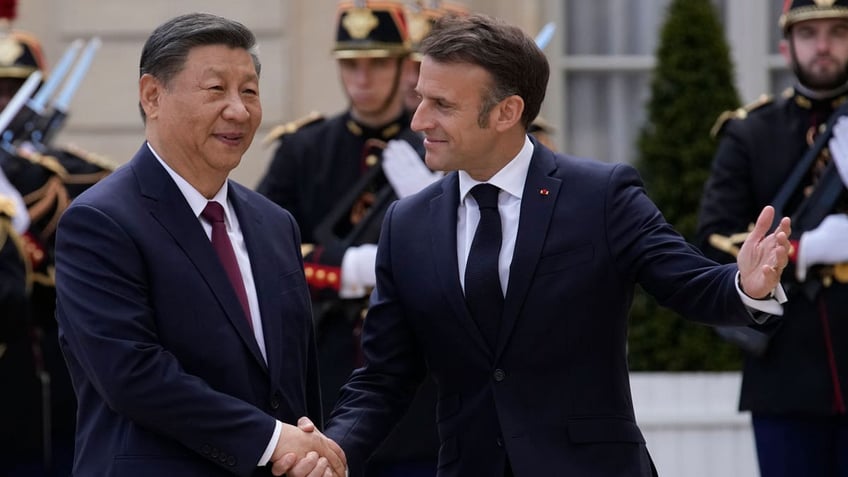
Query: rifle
point(11, 111)
point(45, 126)
point(24, 123)
point(331, 231)
point(809, 211)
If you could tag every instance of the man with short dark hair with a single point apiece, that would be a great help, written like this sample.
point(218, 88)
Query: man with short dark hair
point(510, 280)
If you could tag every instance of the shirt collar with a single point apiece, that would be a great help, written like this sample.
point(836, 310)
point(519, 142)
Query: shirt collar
point(510, 178)
point(195, 199)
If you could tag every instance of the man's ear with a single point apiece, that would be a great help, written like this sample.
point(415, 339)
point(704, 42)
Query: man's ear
point(149, 92)
point(785, 51)
point(508, 112)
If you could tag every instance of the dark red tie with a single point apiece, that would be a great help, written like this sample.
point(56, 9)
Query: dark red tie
point(214, 214)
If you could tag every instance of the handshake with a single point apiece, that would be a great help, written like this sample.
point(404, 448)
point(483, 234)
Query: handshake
point(303, 450)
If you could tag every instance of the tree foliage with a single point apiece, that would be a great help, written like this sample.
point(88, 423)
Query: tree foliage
point(692, 84)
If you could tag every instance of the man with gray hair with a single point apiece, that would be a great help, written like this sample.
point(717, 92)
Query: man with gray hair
point(182, 304)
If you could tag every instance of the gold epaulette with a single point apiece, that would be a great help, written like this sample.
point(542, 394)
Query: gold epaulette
point(98, 160)
point(292, 126)
point(739, 113)
point(46, 161)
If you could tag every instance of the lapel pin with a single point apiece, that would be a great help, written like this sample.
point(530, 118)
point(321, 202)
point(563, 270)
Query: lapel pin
point(544, 192)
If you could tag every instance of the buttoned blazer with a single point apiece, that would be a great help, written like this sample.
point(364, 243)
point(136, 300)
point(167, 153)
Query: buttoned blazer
point(553, 395)
point(166, 368)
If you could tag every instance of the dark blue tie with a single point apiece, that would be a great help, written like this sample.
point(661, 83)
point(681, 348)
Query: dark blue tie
point(483, 293)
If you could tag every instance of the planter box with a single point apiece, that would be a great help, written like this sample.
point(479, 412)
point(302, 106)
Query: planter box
point(692, 426)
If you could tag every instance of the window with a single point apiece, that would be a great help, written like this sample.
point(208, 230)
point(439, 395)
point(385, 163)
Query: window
point(603, 54)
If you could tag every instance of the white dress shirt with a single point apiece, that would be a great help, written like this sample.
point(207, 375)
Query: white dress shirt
point(510, 180)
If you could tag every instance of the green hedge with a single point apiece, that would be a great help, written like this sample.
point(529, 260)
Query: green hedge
point(691, 85)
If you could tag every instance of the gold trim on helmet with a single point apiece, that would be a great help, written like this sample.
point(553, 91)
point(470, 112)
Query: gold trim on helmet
point(374, 51)
point(18, 72)
point(823, 9)
point(20, 55)
point(370, 29)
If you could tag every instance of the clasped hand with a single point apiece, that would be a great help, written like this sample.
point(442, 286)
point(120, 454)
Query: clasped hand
point(303, 451)
point(762, 257)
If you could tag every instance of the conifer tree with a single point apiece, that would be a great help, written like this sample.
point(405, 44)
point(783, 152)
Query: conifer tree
point(692, 84)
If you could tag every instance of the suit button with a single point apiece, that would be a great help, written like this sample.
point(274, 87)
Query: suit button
point(500, 442)
point(205, 449)
point(231, 461)
point(499, 375)
point(275, 401)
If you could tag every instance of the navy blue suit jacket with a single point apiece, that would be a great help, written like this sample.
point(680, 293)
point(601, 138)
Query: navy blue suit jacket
point(554, 396)
point(167, 372)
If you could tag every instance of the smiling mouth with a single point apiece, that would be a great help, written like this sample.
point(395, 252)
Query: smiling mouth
point(231, 139)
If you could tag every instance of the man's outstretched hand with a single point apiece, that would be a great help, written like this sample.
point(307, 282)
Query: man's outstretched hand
point(762, 257)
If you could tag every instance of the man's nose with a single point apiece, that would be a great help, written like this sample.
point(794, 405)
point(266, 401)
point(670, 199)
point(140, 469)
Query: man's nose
point(236, 109)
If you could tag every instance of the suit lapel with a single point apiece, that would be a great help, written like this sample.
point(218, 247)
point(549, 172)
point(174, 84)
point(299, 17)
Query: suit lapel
point(443, 210)
point(537, 206)
point(170, 209)
point(250, 220)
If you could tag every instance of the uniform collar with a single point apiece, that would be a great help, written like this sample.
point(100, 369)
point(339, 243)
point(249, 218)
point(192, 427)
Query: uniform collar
point(807, 99)
point(385, 131)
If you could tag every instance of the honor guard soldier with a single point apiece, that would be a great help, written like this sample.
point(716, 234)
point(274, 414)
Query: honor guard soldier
point(327, 173)
point(48, 178)
point(776, 151)
point(20, 434)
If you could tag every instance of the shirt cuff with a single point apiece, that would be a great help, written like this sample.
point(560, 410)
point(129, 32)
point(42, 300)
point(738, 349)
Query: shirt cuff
point(762, 309)
point(269, 451)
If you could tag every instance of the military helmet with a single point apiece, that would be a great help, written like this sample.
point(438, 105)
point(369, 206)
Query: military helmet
point(370, 29)
point(20, 55)
point(795, 11)
point(420, 16)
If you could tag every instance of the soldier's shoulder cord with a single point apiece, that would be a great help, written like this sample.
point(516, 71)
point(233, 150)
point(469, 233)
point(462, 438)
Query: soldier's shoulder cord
point(292, 126)
point(739, 113)
point(98, 160)
point(49, 162)
point(7, 207)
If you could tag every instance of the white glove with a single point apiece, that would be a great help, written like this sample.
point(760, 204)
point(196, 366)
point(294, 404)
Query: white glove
point(405, 170)
point(20, 222)
point(358, 275)
point(824, 244)
point(838, 146)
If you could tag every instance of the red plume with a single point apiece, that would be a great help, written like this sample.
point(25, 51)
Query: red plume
point(8, 9)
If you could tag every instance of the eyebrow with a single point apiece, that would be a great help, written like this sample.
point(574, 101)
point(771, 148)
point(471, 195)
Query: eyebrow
point(219, 72)
point(440, 99)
